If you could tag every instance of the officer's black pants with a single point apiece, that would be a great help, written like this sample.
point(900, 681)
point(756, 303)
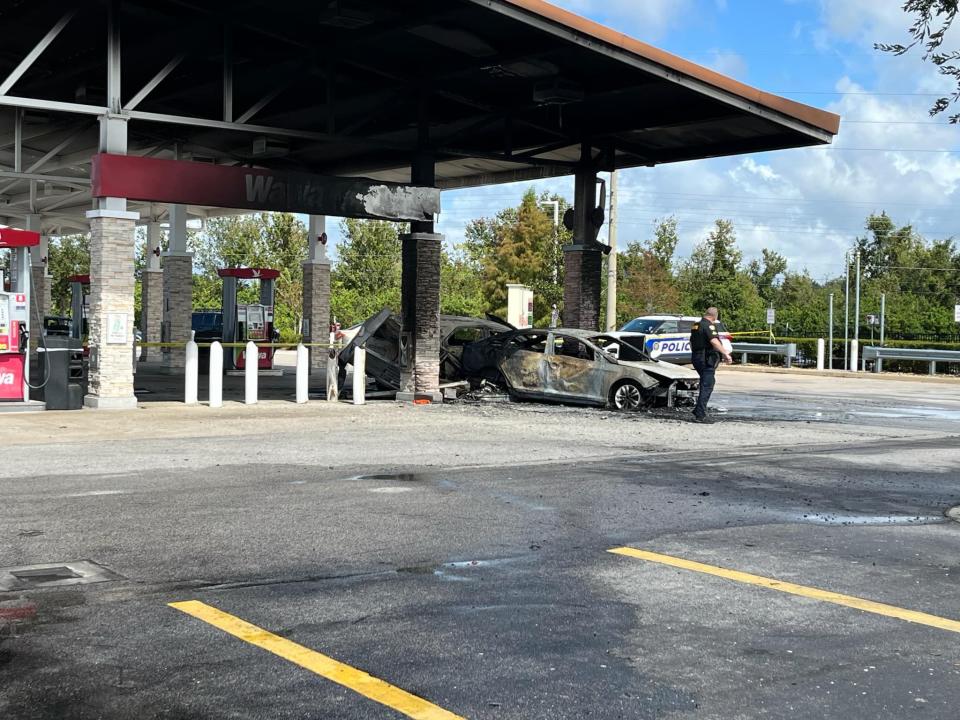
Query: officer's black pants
point(705, 365)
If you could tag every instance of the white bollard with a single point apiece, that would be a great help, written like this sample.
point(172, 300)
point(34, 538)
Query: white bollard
point(191, 371)
point(333, 371)
point(360, 376)
point(251, 364)
point(854, 355)
point(821, 345)
point(303, 374)
point(216, 375)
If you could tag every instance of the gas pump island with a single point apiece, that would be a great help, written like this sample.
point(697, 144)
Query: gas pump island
point(15, 316)
point(246, 322)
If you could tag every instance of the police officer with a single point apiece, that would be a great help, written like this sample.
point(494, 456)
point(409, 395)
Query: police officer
point(707, 351)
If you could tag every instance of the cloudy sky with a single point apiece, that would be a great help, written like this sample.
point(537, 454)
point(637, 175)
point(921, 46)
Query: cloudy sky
point(808, 204)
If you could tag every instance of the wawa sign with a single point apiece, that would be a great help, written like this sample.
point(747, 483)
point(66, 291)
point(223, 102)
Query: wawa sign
point(191, 183)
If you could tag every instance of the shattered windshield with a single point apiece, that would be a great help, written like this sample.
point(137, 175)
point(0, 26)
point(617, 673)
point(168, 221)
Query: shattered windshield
point(619, 348)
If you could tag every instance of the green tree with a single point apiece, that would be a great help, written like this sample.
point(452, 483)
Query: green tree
point(367, 275)
point(713, 276)
point(271, 240)
point(663, 245)
point(520, 245)
point(69, 255)
point(646, 284)
point(764, 273)
point(932, 19)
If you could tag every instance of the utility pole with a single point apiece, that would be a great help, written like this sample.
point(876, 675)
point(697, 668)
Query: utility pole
point(612, 258)
point(830, 351)
point(856, 321)
point(846, 312)
point(556, 232)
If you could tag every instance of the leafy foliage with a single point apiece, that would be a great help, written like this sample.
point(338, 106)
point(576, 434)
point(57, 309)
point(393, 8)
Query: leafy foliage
point(69, 255)
point(520, 245)
point(268, 240)
point(932, 20)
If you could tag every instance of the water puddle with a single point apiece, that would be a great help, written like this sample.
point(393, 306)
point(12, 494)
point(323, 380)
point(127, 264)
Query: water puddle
point(455, 571)
point(400, 477)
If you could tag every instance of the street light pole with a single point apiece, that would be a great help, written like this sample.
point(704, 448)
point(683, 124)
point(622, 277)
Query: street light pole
point(846, 312)
point(556, 232)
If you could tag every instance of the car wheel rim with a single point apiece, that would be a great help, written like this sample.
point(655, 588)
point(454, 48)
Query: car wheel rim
point(628, 397)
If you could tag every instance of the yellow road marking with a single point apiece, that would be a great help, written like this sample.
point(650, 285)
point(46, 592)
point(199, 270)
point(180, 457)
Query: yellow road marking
point(801, 590)
point(351, 678)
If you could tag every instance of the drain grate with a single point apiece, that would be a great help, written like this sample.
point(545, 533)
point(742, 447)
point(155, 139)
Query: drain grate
point(80, 572)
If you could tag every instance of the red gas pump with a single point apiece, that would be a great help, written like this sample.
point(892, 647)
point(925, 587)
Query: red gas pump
point(15, 316)
point(248, 321)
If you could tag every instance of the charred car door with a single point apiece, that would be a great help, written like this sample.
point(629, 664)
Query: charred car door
point(574, 371)
point(522, 363)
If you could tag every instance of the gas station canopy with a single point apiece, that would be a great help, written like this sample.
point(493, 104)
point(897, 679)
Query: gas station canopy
point(491, 91)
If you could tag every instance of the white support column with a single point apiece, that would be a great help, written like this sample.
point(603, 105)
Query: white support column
point(112, 237)
point(177, 289)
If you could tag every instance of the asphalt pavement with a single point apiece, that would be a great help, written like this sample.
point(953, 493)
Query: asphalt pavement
point(777, 564)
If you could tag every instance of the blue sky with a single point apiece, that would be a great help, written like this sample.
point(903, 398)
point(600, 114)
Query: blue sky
point(807, 204)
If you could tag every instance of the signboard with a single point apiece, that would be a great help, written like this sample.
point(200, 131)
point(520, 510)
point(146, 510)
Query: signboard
point(771, 316)
point(116, 328)
point(191, 183)
point(956, 313)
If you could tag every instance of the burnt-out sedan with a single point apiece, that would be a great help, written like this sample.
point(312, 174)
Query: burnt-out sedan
point(578, 367)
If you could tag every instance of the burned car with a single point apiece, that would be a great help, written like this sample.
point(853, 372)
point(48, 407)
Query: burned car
point(578, 367)
point(380, 335)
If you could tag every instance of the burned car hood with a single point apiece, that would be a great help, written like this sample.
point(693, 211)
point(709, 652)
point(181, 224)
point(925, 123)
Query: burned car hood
point(662, 369)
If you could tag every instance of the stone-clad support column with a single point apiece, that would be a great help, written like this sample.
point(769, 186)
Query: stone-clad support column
point(581, 288)
point(316, 294)
point(177, 290)
point(151, 295)
point(110, 317)
point(420, 336)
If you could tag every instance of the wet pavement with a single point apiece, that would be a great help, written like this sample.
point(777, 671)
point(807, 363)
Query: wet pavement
point(490, 591)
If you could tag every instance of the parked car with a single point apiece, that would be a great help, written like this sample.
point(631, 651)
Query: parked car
point(56, 325)
point(575, 366)
point(668, 336)
point(207, 325)
point(381, 336)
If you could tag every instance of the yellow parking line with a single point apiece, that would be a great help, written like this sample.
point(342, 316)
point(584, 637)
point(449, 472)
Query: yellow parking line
point(351, 678)
point(802, 590)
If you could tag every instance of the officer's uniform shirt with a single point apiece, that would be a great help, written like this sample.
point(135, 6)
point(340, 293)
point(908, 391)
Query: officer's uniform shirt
point(702, 332)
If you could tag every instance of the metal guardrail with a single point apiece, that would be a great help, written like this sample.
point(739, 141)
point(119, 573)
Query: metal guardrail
point(788, 351)
point(879, 354)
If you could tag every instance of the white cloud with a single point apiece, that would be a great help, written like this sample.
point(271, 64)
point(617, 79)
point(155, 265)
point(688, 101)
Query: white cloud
point(728, 63)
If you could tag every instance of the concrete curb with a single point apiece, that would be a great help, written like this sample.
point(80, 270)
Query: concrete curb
point(806, 372)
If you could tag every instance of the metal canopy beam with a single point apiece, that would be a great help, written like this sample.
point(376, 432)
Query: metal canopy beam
point(37, 51)
point(154, 82)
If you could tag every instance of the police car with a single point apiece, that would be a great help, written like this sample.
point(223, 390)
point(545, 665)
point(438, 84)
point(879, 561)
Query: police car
point(667, 336)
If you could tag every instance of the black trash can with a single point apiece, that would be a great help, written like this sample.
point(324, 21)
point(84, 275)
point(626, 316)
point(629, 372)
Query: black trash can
point(62, 364)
